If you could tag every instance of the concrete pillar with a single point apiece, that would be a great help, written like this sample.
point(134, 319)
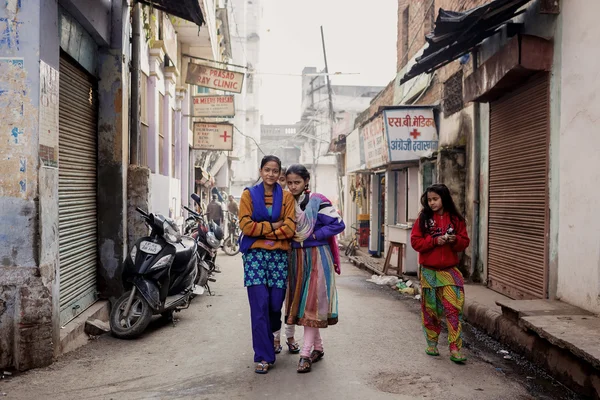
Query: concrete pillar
point(113, 154)
point(184, 146)
point(28, 185)
point(157, 56)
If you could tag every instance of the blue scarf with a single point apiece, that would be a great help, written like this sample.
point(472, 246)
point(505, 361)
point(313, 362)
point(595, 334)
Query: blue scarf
point(260, 213)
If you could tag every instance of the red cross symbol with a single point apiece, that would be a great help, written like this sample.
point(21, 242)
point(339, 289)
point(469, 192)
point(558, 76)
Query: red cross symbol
point(225, 136)
point(415, 134)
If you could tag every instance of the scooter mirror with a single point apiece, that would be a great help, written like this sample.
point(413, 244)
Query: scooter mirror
point(196, 198)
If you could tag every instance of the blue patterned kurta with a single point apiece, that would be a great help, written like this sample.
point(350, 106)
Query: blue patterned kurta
point(266, 267)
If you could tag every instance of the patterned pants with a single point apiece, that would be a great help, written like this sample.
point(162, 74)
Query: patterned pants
point(448, 300)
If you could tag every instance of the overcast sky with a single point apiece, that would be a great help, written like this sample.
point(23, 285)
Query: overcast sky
point(360, 37)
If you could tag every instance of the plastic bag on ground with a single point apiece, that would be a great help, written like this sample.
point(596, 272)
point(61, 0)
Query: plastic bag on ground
point(383, 280)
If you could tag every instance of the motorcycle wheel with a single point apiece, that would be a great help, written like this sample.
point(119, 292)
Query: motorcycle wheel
point(202, 278)
point(136, 322)
point(231, 247)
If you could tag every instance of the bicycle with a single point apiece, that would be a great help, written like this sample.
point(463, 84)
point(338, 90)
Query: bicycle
point(231, 245)
point(353, 245)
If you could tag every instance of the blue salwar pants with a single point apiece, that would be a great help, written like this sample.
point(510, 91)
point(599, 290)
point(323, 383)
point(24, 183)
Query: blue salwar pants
point(265, 314)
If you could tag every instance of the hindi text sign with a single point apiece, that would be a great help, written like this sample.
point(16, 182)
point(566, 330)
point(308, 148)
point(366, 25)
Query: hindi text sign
point(213, 136)
point(213, 106)
point(376, 152)
point(411, 133)
point(214, 78)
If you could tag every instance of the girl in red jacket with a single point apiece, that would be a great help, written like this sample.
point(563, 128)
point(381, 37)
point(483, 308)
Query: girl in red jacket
point(439, 234)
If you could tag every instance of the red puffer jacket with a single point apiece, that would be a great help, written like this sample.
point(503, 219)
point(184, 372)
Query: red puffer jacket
point(430, 254)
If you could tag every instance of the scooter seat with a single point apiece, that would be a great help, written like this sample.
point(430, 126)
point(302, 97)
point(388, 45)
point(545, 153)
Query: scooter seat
point(183, 252)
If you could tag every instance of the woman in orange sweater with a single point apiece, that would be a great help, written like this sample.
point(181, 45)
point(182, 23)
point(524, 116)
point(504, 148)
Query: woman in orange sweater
point(267, 220)
point(439, 234)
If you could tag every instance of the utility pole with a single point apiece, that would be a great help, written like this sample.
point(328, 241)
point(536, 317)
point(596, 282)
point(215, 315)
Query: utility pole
point(331, 122)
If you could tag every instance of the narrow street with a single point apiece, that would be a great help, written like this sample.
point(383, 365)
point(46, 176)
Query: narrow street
point(375, 352)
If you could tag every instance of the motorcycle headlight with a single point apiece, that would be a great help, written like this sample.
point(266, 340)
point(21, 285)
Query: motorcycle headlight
point(162, 263)
point(133, 253)
point(171, 233)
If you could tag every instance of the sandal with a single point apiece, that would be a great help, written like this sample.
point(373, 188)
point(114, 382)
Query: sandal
point(293, 347)
point(262, 367)
point(316, 355)
point(457, 357)
point(432, 351)
point(278, 348)
point(304, 365)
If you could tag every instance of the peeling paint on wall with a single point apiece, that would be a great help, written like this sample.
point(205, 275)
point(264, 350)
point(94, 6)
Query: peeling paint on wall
point(18, 130)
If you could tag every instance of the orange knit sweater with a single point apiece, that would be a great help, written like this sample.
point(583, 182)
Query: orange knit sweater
point(278, 239)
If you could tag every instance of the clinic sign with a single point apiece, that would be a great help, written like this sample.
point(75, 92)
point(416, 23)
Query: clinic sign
point(213, 136)
point(411, 133)
point(214, 78)
point(213, 106)
point(375, 144)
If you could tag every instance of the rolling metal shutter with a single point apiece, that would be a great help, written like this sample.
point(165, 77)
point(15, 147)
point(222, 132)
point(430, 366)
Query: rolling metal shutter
point(518, 191)
point(77, 190)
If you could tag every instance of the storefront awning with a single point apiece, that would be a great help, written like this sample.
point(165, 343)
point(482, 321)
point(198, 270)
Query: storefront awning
point(185, 9)
point(457, 33)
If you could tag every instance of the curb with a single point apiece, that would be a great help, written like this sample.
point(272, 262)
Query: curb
point(574, 372)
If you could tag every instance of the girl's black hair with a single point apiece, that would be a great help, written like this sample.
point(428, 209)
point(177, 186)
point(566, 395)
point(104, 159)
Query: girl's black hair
point(299, 170)
point(427, 213)
point(270, 158)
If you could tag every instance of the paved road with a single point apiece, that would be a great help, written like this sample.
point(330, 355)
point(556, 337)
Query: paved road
point(375, 352)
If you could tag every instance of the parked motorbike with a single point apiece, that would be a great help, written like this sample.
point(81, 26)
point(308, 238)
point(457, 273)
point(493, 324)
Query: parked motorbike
point(159, 275)
point(208, 237)
point(231, 245)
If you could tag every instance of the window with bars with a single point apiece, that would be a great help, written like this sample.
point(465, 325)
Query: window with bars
point(161, 136)
point(453, 94)
point(143, 120)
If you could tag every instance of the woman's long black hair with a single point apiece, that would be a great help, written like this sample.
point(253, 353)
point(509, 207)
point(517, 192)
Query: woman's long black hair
point(427, 213)
point(264, 162)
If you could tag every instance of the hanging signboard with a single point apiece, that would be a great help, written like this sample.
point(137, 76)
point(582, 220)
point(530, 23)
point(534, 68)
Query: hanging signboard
point(355, 152)
point(214, 78)
point(411, 133)
point(376, 152)
point(213, 136)
point(213, 106)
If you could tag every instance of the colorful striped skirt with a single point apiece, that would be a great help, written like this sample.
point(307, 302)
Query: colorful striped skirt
point(312, 296)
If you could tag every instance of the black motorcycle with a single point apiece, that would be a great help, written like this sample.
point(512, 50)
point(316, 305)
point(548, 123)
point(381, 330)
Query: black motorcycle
point(159, 276)
point(208, 237)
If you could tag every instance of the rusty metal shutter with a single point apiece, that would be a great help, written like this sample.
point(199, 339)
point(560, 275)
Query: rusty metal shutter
point(518, 191)
point(77, 190)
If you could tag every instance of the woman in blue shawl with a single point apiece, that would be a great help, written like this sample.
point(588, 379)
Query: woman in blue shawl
point(267, 221)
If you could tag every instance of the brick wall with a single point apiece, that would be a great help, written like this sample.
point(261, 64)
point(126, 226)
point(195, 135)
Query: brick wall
point(420, 15)
point(384, 98)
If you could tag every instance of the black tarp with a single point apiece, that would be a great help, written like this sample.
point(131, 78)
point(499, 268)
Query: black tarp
point(457, 33)
point(185, 9)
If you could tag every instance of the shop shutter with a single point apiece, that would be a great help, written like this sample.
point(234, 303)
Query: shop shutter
point(77, 190)
point(518, 191)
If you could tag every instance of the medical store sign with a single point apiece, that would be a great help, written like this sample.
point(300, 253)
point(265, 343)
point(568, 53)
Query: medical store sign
point(213, 136)
point(411, 133)
point(376, 152)
point(214, 78)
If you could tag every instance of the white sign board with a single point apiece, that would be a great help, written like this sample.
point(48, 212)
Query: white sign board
point(214, 78)
point(375, 145)
point(213, 106)
point(213, 136)
point(411, 133)
point(355, 152)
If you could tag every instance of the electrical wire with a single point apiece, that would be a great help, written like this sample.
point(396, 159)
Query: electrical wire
point(251, 138)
